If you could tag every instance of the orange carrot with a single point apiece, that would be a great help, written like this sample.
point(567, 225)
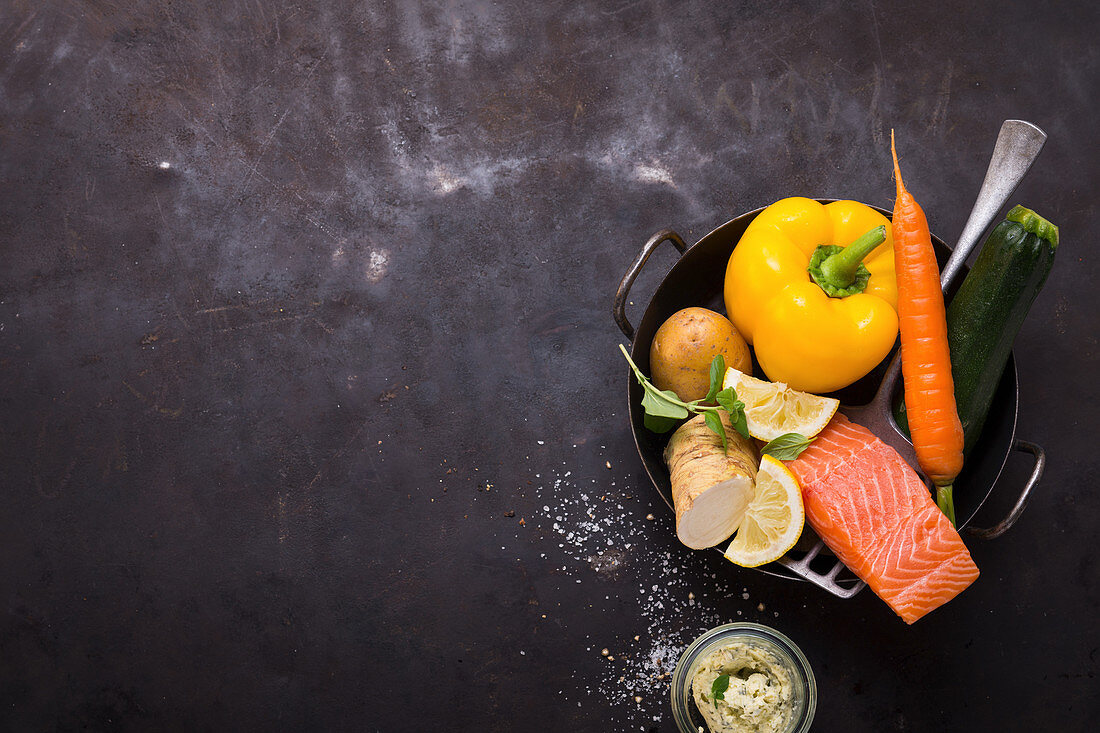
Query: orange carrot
point(925, 358)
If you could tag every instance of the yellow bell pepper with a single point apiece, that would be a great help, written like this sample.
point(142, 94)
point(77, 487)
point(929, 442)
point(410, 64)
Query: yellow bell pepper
point(813, 340)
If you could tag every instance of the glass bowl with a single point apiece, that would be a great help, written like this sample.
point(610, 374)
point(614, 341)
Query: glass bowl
point(804, 693)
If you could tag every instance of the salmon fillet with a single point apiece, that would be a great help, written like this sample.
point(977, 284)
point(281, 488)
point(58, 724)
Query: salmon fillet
point(876, 515)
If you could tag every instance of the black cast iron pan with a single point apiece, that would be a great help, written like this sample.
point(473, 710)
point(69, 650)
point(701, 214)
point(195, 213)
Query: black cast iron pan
point(696, 279)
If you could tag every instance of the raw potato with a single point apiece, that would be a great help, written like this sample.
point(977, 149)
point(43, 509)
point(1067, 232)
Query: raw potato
point(711, 489)
point(686, 344)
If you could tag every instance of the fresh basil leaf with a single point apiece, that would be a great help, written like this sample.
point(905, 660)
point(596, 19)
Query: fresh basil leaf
point(656, 403)
point(663, 409)
point(717, 373)
point(714, 422)
point(787, 446)
point(719, 686)
point(740, 423)
point(727, 398)
point(659, 424)
point(661, 414)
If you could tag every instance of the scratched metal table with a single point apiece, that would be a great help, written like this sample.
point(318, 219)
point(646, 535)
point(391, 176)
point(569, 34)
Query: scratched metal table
point(312, 409)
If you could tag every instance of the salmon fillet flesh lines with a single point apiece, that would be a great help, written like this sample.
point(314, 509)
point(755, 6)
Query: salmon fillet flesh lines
point(876, 515)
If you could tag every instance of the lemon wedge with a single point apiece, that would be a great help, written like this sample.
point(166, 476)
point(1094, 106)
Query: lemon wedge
point(774, 519)
point(773, 408)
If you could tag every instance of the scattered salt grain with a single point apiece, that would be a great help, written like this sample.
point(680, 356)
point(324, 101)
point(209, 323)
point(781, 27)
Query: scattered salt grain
point(595, 532)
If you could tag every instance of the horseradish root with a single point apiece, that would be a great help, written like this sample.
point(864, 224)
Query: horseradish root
point(711, 488)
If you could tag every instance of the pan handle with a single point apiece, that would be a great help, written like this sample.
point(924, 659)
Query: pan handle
point(619, 307)
point(1036, 473)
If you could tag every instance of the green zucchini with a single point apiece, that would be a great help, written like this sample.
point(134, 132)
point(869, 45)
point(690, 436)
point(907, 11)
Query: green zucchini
point(987, 311)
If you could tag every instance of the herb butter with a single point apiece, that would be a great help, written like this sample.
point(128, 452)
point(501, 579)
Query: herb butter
point(759, 698)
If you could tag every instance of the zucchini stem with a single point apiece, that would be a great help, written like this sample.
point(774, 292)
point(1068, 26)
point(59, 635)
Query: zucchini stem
point(1035, 224)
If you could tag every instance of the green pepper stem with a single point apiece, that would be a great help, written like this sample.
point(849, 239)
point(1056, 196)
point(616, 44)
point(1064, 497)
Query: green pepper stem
point(840, 269)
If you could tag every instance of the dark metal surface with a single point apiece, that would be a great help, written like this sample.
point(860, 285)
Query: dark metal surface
point(303, 309)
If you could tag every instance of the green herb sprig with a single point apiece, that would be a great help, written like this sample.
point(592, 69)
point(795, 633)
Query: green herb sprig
point(787, 446)
point(718, 688)
point(664, 409)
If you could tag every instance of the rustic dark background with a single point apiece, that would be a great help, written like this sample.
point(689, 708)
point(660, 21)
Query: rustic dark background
point(305, 341)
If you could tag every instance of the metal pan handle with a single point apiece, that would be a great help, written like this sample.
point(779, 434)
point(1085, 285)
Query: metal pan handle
point(1036, 473)
point(619, 307)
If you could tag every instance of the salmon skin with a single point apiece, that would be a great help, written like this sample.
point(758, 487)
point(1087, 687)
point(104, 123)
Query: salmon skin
point(876, 515)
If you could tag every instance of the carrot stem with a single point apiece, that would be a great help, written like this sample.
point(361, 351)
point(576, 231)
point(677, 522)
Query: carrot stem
point(945, 501)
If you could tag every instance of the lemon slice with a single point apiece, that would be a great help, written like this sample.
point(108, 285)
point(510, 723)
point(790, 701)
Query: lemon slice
point(773, 520)
point(773, 408)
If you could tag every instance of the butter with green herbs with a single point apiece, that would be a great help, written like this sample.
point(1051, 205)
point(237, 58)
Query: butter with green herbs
point(759, 696)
